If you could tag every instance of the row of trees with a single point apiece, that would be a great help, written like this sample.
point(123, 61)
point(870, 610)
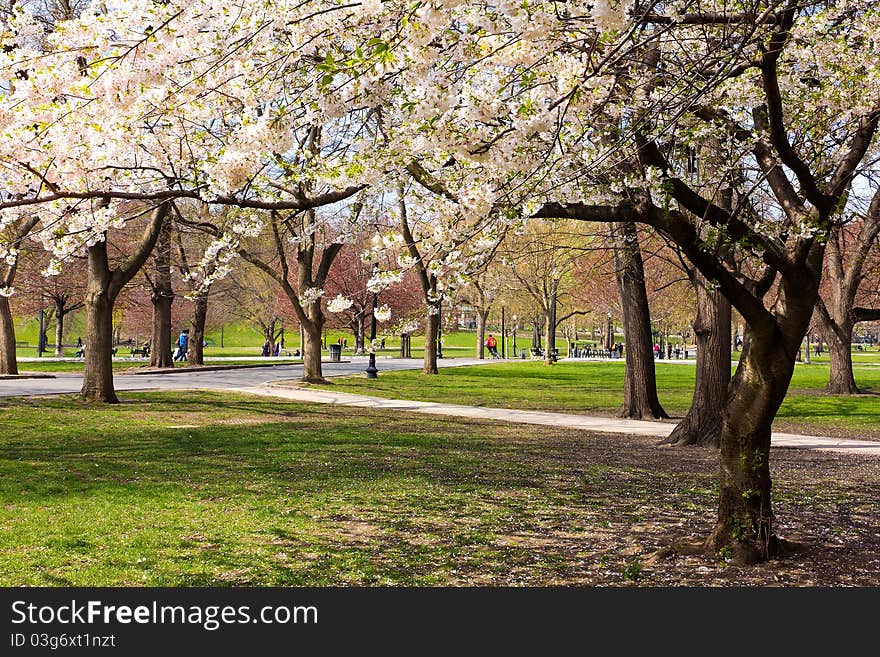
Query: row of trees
point(742, 132)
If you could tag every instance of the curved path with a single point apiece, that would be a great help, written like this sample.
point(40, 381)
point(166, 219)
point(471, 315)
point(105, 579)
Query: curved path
point(232, 378)
point(288, 390)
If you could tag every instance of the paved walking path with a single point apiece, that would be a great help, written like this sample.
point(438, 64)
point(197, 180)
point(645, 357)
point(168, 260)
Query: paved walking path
point(586, 422)
point(185, 378)
point(265, 381)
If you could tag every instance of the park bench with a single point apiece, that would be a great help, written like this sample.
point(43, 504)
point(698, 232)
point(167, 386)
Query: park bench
point(140, 351)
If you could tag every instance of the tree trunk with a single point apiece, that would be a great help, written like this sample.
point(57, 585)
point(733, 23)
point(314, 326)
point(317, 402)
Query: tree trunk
point(536, 333)
point(312, 370)
point(8, 360)
point(640, 385)
point(841, 380)
point(195, 349)
point(60, 312)
point(432, 326)
point(162, 297)
point(702, 424)
point(482, 316)
point(98, 369)
point(745, 516)
point(160, 342)
point(102, 289)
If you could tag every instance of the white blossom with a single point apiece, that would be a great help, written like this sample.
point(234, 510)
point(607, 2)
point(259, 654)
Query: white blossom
point(339, 304)
point(382, 313)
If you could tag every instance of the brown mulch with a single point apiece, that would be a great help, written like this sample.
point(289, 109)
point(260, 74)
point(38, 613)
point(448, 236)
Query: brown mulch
point(636, 514)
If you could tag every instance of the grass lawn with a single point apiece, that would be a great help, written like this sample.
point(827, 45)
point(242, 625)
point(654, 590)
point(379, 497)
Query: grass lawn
point(595, 388)
point(208, 489)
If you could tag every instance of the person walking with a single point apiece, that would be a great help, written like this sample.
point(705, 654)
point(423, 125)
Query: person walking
point(182, 345)
point(492, 346)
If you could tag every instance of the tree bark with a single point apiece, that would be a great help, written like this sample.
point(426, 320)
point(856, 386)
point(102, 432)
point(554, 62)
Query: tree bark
point(536, 333)
point(482, 316)
point(640, 385)
point(312, 370)
point(60, 312)
point(432, 326)
point(162, 296)
point(98, 368)
point(841, 380)
point(702, 423)
point(8, 360)
point(160, 342)
point(195, 350)
point(745, 516)
point(104, 285)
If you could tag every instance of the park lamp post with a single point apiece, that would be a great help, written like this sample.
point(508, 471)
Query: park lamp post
point(513, 329)
point(609, 341)
point(372, 371)
point(503, 335)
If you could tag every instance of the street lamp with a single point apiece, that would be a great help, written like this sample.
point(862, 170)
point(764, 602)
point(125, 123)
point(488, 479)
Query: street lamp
point(372, 371)
point(503, 335)
point(609, 342)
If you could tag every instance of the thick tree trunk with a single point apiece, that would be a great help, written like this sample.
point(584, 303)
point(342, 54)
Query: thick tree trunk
point(841, 380)
point(102, 289)
point(482, 316)
point(745, 516)
point(312, 370)
point(195, 351)
point(8, 360)
point(432, 325)
point(98, 369)
point(702, 424)
point(640, 385)
point(160, 342)
point(162, 297)
point(837, 329)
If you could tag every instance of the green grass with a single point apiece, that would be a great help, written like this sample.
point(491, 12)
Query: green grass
point(216, 489)
point(209, 489)
point(596, 388)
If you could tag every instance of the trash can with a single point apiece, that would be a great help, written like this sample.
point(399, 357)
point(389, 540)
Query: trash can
point(335, 353)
